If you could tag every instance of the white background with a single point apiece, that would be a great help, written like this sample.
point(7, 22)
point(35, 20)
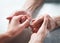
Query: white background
point(8, 7)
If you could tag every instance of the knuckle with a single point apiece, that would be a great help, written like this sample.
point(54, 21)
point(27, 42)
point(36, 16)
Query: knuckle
point(14, 18)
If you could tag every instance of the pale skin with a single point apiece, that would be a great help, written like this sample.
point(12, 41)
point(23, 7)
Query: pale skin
point(15, 27)
point(53, 23)
point(40, 30)
point(40, 35)
point(27, 11)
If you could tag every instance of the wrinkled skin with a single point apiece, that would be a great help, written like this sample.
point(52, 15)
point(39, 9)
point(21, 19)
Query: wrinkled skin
point(40, 35)
point(36, 24)
point(57, 19)
point(41, 27)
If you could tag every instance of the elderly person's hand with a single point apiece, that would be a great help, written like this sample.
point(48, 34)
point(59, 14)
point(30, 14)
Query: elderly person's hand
point(57, 20)
point(41, 33)
point(36, 24)
point(15, 27)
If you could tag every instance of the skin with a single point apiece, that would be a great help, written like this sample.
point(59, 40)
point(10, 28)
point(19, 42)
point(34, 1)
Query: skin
point(15, 25)
point(42, 26)
point(57, 20)
point(38, 22)
point(31, 6)
point(40, 35)
point(26, 11)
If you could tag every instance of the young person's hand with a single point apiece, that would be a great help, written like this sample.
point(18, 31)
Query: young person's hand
point(18, 13)
point(15, 27)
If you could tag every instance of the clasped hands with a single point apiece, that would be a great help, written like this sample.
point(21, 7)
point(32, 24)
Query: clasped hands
point(40, 26)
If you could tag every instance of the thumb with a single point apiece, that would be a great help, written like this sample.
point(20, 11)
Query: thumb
point(43, 27)
point(25, 24)
point(45, 23)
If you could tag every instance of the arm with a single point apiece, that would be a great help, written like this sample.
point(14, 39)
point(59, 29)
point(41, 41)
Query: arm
point(31, 5)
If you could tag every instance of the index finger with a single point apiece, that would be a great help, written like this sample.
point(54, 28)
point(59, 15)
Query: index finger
point(43, 28)
point(16, 14)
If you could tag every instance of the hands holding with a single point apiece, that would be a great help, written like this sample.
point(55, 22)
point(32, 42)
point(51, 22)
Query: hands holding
point(36, 24)
point(17, 23)
point(40, 26)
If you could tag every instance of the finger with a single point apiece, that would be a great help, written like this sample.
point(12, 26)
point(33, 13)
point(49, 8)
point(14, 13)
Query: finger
point(38, 19)
point(16, 18)
point(51, 24)
point(33, 20)
point(45, 23)
point(43, 27)
point(25, 24)
point(23, 19)
point(35, 30)
point(16, 14)
point(37, 23)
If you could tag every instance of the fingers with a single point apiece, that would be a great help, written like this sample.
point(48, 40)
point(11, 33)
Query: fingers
point(43, 28)
point(57, 20)
point(33, 20)
point(15, 14)
point(45, 22)
point(16, 18)
point(51, 24)
point(37, 22)
point(26, 23)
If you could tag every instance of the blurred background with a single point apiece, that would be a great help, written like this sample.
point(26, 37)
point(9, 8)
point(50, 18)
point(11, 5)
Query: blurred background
point(8, 7)
point(51, 7)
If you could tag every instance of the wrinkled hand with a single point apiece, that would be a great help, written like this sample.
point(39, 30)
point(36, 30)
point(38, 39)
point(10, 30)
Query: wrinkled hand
point(57, 20)
point(36, 24)
point(41, 33)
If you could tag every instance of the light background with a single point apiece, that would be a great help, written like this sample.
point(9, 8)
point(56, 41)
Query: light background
point(8, 7)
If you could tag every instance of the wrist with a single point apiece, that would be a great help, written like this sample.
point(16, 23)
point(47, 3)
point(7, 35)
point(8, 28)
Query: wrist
point(57, 21)
point(31, 5)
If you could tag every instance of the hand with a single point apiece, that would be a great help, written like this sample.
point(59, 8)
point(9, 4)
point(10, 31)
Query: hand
point(15, 27)
point(36, 24)
point(18, 13)
point(16, 24)
point(57, 20)
point(41, 33)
